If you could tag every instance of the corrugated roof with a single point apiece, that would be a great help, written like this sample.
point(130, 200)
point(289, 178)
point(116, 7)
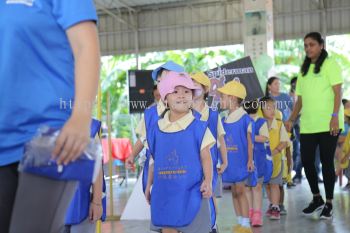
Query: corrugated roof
point(112, 4)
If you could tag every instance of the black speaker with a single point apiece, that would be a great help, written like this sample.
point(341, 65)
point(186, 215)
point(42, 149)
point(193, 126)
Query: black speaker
point(140, 90)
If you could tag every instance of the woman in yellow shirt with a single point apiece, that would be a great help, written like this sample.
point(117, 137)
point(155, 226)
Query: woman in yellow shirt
point(319, 101)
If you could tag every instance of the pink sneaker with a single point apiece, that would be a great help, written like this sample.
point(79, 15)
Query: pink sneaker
point(268, 212)
point(275, 214)
point(257, 219)
point(251, 213)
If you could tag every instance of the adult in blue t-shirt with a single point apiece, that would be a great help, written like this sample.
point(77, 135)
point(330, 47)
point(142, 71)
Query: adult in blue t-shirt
point(284, 102)
point(49, 69)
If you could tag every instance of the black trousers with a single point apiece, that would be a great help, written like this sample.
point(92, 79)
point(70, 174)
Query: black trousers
point(8, 187)
point(327, 145)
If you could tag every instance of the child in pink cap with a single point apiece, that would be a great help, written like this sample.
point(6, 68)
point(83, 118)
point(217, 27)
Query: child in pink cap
point(181, 174)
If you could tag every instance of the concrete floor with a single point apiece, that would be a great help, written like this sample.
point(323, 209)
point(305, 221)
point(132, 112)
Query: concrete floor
point(296, 199)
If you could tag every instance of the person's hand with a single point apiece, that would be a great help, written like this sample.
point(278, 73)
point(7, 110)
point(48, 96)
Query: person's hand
point(222, 168)
point(206, 189)
point(334, 126)
point(95, 212)
point(72, 140)
point(344, 159)
point(289, 125)
point(290, 166)
point(148, 194)
point(129, 162)
point(250, 165)
point(338, 171)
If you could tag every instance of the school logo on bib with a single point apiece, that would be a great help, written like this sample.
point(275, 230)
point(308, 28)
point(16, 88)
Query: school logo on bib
point(24, 2)
point(173, 169)
point(173, 158)
point(230, 144)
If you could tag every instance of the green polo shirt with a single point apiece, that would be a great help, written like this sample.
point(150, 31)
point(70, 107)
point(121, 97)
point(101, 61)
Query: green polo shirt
point(318, 97)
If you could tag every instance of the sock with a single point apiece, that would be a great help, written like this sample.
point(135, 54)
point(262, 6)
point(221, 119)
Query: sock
point(276, 206)
point(245, 222)
point(239, 219)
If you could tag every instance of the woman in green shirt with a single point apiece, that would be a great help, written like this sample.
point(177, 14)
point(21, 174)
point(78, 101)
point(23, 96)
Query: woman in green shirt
point(319, 102)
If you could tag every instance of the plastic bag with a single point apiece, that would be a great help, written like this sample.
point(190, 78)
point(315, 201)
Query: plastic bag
point(38, 160)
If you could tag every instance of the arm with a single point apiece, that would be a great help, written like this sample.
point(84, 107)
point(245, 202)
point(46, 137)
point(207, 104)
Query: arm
point(74, 136)
point(289, 159)
point(206, 187)
point(137, 148)
point(334, 124)
point(260, 138)
point(96, 208)
point(223, 153)
point(250, 164)
point(297, 107)
point(279, 148)
point(149, 182)
point(341, 139)
point(345, 158)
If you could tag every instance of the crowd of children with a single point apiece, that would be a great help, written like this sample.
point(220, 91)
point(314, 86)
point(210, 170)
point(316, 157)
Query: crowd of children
point(192, 150)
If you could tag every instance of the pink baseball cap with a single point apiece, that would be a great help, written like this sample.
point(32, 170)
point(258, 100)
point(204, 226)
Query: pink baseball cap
point(173, 79)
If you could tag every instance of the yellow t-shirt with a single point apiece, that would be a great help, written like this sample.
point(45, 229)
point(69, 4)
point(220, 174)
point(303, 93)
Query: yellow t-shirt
point(283, 132)
point(276, 136)
point(318, 97)
point(345, 151)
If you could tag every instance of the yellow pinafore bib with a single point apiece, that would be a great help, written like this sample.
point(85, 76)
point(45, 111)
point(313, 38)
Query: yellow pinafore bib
point(274, 141)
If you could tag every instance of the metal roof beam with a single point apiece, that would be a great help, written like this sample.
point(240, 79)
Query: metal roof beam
point(113, 15)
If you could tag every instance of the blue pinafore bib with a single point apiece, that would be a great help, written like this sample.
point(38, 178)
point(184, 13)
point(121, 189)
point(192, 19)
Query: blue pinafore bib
point(151, 118)
point(78, 209)
point(178, 175)
point(259, 150)
point(237, 149)
point(268, 164)
point(213, 127)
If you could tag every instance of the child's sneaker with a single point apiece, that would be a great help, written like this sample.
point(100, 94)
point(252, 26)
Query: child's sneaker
point(236, 228)
point(346, 187)
point(251, 212)
point(327, 212)
point(245, 230)
point(215, 229)
point(283, 210)
point(315, 205)
point(268, 212)
point(257, 219)
point(275, 213)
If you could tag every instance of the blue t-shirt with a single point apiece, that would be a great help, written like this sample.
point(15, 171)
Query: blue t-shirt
point(36, 68)
point(284, 103)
